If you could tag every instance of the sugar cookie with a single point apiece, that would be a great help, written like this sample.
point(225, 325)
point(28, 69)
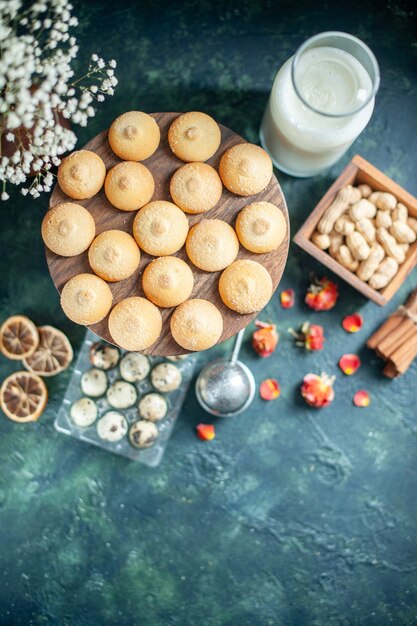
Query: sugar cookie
point(129, 186)
point(245, 286)
point(134, 136)
point(196, 187)
point(261, 227)
point(194, 136)
point(160, 228)
point(167, 281)
point(135, 323)
point(245, 169)
point(196, 325)
point(86, 299)
point(114, 255)
point(81, 174)
point(212, 245)
point(68, 229)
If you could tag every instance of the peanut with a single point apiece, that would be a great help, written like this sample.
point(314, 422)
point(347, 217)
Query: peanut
point(368, 267)
point(336, 240)
point(363, 208)
point(400, 213)
point(405, 247)
point(321, 240)
point(344, 225)
point(358, 246)
point(402, 232)
point(384, 219)
point(384, 274)
point(367, 229)
point(365, 190)
point(386, 201)
point(374, 197)
point(345, 196)
point(345, 258)
point(412, 223)
point(390, 245)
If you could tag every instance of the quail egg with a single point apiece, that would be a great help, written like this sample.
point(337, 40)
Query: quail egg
point(143, 434)
point(166, 377)
point(84, 412)
point(134, 367)
point(153, 407)
point(94, 383)
point(104, 356)
point(121, 395)
point(112, 426)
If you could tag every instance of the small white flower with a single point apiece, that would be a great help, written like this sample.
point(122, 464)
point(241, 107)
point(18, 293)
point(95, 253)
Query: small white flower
point(5, 195)
point(12, 120)
point(28, 61)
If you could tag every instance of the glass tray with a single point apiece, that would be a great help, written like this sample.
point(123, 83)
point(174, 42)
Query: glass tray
point(149, 456)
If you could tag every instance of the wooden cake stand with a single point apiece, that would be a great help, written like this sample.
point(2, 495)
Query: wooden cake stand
point(163, 164)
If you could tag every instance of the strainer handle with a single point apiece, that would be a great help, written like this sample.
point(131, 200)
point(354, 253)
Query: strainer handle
point(237, 346)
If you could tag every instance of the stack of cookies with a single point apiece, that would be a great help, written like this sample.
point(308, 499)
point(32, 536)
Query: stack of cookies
point(161, 229)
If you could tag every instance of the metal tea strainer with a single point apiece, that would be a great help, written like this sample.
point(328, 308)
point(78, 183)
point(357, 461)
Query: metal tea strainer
point(226, 386)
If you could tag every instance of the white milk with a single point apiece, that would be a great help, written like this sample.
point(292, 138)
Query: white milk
point(300, 141)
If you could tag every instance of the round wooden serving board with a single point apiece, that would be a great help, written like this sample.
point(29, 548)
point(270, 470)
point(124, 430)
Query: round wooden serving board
point(163, 164)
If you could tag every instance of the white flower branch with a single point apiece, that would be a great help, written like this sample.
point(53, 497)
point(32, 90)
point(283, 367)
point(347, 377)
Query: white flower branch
point(38, 90)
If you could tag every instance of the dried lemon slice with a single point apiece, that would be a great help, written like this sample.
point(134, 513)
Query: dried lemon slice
point(23, 396)
point(19, 337)
point(53, 355)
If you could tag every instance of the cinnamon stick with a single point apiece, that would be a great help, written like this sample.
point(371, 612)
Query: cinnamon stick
point(395, 338)
point(404, 356)
point(383, 331)
point(390, 371)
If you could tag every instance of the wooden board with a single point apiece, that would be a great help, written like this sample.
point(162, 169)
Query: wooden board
point(163, 164)
point(359, 171)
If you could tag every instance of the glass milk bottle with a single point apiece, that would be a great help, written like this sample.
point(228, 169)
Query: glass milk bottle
point(321, 100)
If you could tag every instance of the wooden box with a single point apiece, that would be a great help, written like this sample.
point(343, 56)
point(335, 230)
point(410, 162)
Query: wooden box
point(356, 172)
